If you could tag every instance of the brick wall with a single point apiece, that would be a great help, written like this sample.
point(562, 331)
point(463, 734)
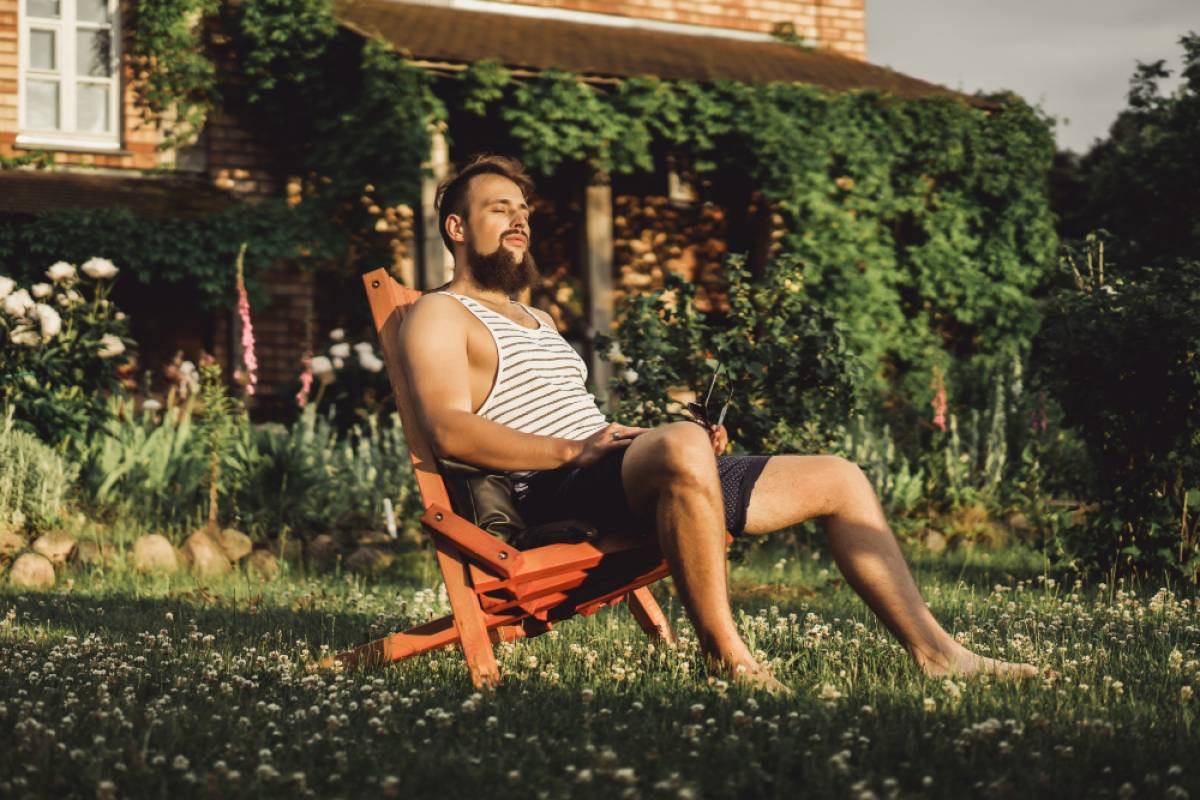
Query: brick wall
point(836, 24)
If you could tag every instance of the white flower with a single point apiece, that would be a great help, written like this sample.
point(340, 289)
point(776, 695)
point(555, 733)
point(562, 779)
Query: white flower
point(337, 334)
point(829, 693)
point(99, 268)
point(7, 284)
point(151, 405)
point(364, 347)
point(60, 271)
point(50, 320)
point(322, 367)
point(340, 350)
point(42, 290)
point(630, 375)
point(370, 362)
point(25, 336)
point(17, 303)
point(111, 345)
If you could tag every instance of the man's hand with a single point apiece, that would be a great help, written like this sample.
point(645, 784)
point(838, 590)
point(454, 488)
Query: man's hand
point(719, 438)
point(612, 437)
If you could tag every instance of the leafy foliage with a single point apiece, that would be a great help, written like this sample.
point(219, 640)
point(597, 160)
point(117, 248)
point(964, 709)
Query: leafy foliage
point(792, 373)
point(1120, 352)
point(35, 481)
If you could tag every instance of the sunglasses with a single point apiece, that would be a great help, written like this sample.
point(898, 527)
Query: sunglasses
point(700, 412)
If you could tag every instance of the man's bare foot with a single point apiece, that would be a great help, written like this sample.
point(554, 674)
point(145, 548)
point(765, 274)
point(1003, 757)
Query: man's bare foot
point(958, 660)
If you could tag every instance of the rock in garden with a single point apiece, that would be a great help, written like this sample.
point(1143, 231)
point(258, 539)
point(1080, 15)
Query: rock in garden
point(10, 544)
point(91, 554)
point(236, 544)
point(32, 571)
point(154, 553)
point(56, 546)
point(935, 541)
point(263, 564)
point(322, 551)
point(372, 537)
point(369, 560)
point(205, 554)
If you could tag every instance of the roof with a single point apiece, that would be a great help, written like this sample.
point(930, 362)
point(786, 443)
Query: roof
point(31, 192)
point(457, 36)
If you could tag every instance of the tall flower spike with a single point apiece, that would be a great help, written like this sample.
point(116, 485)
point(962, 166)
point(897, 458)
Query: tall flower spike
point(939, 399)
point(248, 357)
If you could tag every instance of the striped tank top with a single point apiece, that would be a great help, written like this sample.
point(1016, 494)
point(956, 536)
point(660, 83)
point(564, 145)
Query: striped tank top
point(541, 382)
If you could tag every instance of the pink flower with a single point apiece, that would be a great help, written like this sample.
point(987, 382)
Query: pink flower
point(248, 357)
point(1037, 418)
point(939, 400)
point(306, 379)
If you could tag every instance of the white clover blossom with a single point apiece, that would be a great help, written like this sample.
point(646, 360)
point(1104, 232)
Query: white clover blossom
point(111, 345)
point(49, 319)
point(7, 284)
point(340, 350)
point(99, 268)
point(60, 271)
point(337, 334)
point(42, 290)
point(17, 303)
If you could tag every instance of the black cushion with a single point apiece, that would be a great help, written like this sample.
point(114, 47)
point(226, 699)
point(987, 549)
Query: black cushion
point(485, 497)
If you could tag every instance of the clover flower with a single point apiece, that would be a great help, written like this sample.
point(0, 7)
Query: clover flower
point(99, 268)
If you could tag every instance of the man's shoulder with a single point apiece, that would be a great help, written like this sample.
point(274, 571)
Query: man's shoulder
point(434, 311)
point(543, 316)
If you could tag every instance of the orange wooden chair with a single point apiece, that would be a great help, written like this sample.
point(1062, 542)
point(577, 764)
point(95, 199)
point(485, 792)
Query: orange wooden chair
point(497, 592)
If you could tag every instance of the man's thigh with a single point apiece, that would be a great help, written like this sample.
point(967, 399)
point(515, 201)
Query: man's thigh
point(795, 488)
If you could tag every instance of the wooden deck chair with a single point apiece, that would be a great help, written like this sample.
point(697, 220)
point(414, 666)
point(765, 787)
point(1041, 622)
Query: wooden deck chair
point(497, 592)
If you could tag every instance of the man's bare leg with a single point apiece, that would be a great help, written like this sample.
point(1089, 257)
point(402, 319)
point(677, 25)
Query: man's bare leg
point(670, 477)
point(793, 489)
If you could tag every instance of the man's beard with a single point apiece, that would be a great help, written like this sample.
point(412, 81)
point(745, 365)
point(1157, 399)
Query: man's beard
point(501, 270)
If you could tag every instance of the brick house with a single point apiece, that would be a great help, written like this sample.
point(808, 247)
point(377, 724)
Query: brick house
point(66, 89)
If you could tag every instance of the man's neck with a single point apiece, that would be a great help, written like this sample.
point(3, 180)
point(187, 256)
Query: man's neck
point(462, 284)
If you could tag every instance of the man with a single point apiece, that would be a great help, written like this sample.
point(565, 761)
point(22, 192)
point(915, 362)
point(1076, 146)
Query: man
point(497, 386)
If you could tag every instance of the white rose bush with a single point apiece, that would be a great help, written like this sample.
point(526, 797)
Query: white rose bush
point(62, 346)
point(349, 379)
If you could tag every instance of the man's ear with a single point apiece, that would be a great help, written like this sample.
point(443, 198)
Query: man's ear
point(456, 228)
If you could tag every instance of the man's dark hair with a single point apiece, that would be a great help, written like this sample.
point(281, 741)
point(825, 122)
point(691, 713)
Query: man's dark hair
point(451, 195)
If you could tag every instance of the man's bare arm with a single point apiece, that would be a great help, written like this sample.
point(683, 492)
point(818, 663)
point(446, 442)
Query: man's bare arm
point(433, 349)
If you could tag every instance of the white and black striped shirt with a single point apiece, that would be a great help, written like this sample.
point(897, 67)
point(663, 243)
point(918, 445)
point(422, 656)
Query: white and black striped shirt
point(541, 382)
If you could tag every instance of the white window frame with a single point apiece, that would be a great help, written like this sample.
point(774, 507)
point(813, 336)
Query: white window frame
point(66, 28)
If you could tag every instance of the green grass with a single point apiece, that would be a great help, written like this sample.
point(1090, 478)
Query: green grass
point(129, 686)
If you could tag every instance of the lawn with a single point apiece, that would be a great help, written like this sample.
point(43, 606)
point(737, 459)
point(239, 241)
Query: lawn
point(121, 685)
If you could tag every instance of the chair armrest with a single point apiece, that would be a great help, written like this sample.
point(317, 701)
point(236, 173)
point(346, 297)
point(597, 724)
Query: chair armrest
point(478, 544)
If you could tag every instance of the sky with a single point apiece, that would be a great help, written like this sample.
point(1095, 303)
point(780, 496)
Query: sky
point(1073, 58)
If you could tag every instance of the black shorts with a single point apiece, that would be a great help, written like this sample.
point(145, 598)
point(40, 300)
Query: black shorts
point(596, 494)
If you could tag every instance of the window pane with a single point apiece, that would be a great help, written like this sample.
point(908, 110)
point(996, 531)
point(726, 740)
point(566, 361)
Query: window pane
point(46, 9)
point(92, 10)
point(41, 50)
point(41, 105)
point(91, 116)
point(92, 53)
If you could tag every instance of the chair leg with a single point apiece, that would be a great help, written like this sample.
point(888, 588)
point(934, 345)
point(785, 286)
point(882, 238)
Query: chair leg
point(468, 619)
point(650, 616)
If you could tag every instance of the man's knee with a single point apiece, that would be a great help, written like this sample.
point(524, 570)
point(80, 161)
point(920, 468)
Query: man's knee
point(849, 477)
point(685, 457)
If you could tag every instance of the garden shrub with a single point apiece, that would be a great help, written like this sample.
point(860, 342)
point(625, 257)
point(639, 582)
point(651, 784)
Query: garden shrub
point(61, 352)
point(794, 379)
point(1120, 350)
point(35, 481)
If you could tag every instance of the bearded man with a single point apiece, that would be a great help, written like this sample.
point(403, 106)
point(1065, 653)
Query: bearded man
point(495, 385)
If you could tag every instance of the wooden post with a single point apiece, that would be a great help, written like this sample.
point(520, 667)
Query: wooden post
point(437, 263)
point(596, 256)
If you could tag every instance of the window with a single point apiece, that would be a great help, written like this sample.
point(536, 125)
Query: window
point(69, 77)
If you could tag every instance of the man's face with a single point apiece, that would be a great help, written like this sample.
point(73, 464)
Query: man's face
point(497, 234)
